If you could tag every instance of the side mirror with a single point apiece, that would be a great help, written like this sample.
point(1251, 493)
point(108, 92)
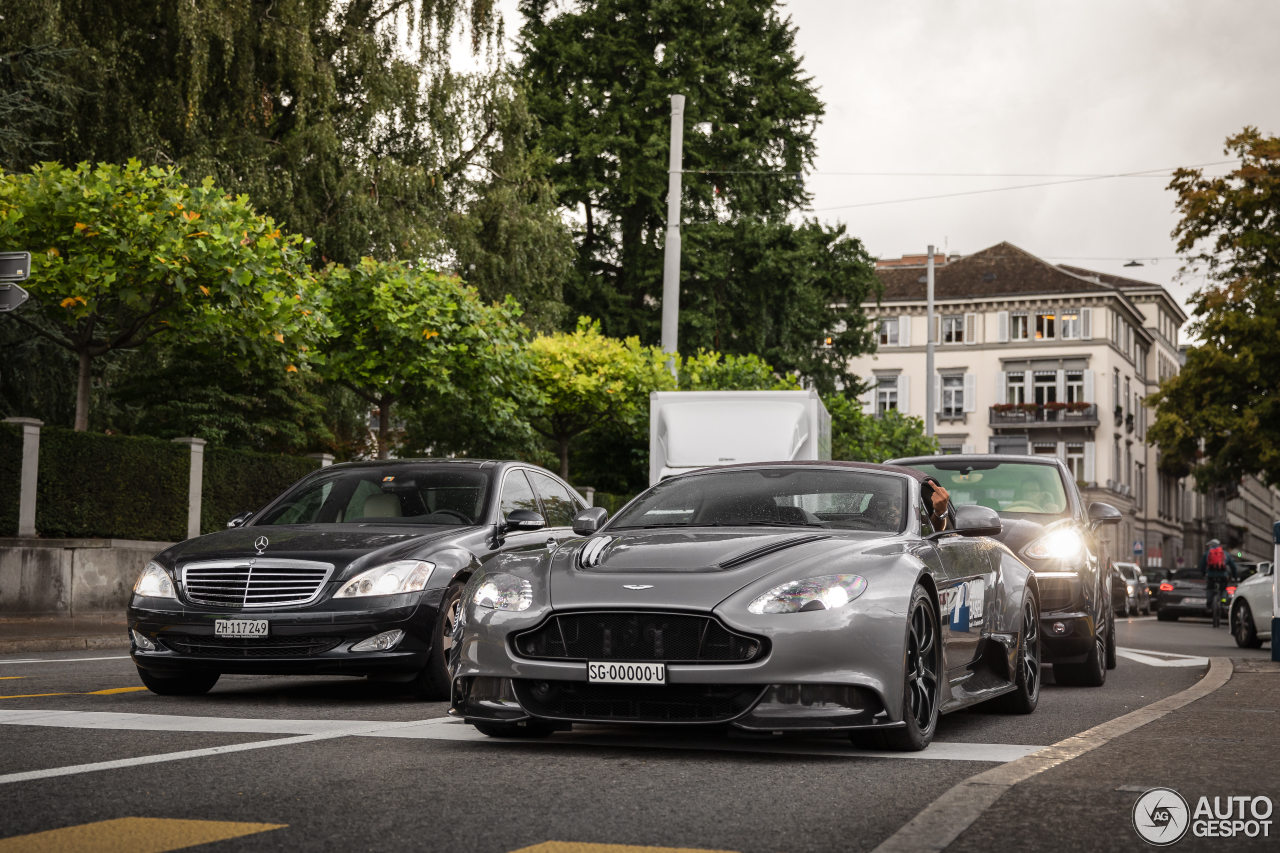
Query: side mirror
point(590, 520)
point(524, 519)
point(239, 520)
point(974, 520)
point(1103, 513)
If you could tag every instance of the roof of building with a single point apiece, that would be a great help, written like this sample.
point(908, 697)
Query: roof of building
point(1001, 270)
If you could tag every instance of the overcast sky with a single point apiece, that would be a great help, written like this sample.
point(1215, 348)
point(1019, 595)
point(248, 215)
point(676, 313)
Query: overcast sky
point(1022, 87)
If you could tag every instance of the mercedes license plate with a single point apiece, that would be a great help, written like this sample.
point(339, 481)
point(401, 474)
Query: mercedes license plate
point(240, 627)
point(627, 673)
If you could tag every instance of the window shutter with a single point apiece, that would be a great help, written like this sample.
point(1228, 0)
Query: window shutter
point(868, 398)
point(1062, 386)
point(1088, 387)
point(1002, 388)
point(970, 328)
point(966, 448)
point(970, 392)
point(1002, 326)
point(1089, 475)
point(1028, 385)
point(904, 393)
point(904, 330)
point(937, 393)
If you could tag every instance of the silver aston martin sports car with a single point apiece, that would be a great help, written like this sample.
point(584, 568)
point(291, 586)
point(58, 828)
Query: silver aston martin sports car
point(812, 596)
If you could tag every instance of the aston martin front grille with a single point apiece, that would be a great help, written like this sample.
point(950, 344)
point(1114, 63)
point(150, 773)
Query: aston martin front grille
point(638, 636)
point(670, 703)
point(258, 582)
point(250, 647)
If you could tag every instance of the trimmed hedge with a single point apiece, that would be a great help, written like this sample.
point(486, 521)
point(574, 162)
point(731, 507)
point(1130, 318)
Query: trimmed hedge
point(611, 502)
point(239, 480)
point(10, 477)
point(119, 487)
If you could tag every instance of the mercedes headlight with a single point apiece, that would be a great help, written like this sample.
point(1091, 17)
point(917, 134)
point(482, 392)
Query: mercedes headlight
point(823, 593)
point(501, 591)
point(154, 582)
point(389, 579)
point(1064, 543)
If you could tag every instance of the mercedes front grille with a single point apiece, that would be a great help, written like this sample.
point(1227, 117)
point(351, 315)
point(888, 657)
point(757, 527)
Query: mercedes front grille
point(256, 582)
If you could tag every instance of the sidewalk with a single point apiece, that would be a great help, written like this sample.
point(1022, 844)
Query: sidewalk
point(62, 633)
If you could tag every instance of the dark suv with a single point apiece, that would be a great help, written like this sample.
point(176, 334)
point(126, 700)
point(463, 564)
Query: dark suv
point(1047, 525)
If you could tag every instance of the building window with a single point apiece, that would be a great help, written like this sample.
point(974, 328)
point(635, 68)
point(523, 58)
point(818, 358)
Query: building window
point(1075, 460)
point(1045, 383)
point(1019, 327)
point(1015, 389)
point(889, 331)
point(952, 396)
point(886, 394)
point(1044, 448)
point(1075, 387)
point(953, 329)
point(1045, 326)
point(1070, 325)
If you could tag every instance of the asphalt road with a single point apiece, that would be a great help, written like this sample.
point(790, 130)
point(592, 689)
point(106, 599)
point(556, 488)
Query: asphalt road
point(342, 764)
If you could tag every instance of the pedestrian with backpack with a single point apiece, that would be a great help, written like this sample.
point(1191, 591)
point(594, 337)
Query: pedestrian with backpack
point(1216, 565)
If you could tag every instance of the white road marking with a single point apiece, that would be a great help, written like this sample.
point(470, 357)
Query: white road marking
point(449, 728)
point(1151, 658)
point(61, 660)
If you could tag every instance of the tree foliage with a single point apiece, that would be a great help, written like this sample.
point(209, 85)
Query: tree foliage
point(407, 333)
point(124, 254)
point(861, 437)
point(1219, 418)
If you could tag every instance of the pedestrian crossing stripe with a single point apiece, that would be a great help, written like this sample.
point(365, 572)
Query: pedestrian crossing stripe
point(132, 834)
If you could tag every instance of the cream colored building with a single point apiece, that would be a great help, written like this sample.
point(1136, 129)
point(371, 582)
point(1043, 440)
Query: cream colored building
point(1032, 357)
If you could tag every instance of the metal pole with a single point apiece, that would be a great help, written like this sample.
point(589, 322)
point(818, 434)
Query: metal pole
point(671, 252)
point(929, 404)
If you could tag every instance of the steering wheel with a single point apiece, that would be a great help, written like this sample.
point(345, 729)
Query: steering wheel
point(452, 513)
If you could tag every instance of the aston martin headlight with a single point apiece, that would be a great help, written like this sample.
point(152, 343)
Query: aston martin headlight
point(1061, 544)
point(389, 579)
point(501, 591)
point(154, 582)
point(823, 593)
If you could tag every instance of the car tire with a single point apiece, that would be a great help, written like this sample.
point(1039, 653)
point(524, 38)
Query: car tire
point(1026, 693)
point(432, 682)
point(1242, 627)
point(187, 684)
point(1166, 616)
point(1092, 672)
point(921, 680)
point(525, 729)
point(1111, 641)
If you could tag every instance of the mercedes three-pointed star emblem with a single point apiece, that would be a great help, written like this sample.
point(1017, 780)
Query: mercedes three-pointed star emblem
point(261, 544)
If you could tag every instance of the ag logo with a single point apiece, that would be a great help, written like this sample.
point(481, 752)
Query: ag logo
point(1161, 816)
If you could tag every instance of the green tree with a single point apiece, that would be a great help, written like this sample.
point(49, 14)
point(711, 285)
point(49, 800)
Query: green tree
point(861, 437)
point(406, 333)
point(586, 381)
point(713, 371)
point(1219, 418)
point(121, 255)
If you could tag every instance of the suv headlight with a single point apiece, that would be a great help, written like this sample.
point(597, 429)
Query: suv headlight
point(389, 579)
point(154, 582)
point(501, 591)
point(822, 593)
point(1065, 543)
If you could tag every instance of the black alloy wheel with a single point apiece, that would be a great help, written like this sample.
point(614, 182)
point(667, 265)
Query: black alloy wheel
point(922, 680)
point(1026, 695)
point(188, 684)
point(1242, 627)
point(432, 682)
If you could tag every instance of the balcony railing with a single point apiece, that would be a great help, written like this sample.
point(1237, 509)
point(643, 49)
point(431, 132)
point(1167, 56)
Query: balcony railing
point(1044, 414)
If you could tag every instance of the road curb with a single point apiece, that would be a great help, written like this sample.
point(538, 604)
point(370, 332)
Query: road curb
point(64, 644)
point(942, 821)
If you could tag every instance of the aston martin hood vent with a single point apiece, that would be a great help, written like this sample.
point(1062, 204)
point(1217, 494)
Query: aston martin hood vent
point(771, 548)
point(682, 552)
point(591, 553)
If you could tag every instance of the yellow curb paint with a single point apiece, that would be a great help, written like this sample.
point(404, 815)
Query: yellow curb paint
point(108, 692)
point(115, 690)
point(11, 677)
point(132, 835)
point(36, 695)
point(582, 847)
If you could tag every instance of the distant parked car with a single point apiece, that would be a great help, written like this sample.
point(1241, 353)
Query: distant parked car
point(1047, 525)
point(1182, 594)
point(357, 569)
point(1137, 599)
point(1251, 608)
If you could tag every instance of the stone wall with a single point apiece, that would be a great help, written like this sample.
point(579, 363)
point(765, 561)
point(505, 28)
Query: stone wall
point(70, 577)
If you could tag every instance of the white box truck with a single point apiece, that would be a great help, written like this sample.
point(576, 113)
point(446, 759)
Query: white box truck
point(696, 429)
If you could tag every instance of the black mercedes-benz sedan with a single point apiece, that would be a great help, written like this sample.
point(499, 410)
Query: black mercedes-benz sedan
point(1046, 523)
point(357, 569)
